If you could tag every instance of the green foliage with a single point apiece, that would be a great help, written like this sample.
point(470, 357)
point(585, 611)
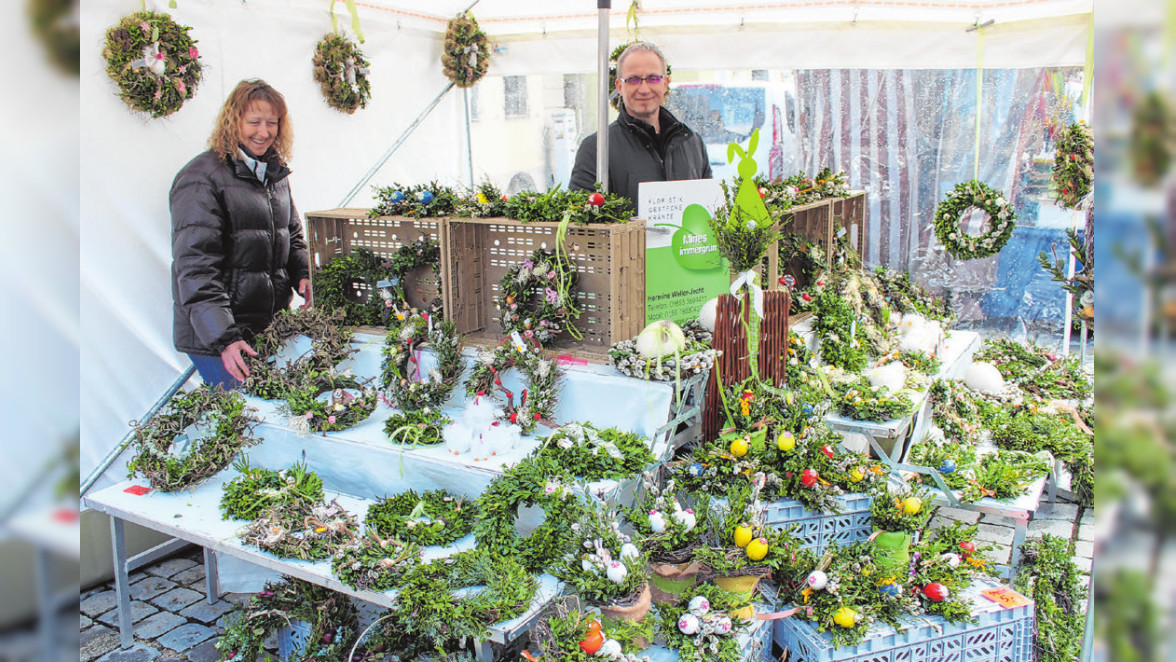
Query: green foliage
point(592, 454)
point(918, 360)
point(1046, 573)
point(1004, 475)
point(335, 286)
point(228, 428)
point(1073, 168)
point(331, 59)
point(701, 647)
point(155, 37)
point(800, 189)
point(552, 206)
point(257, 489)
point(930, 453)
point(419, 428)
point(1001, 221)
point(835, 326)
point(1025, 428)
point(1036, 369)
point(399, 200)
point(431, 518)
point(373, 563)
point(863, 402)
point(343, 411)
point(559, 634)
point(332, 617)
point(599, 543)
point(1152, 138)
point(400, 363)
point(740, 238)
point(906, 296)
point(673, 543)
point(463, 39)
point(888, 512)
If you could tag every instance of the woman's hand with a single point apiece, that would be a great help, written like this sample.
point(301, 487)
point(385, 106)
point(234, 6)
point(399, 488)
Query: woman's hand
point(234, 362)
point(305, 292)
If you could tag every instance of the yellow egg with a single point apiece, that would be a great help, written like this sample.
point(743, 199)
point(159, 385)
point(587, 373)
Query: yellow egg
point(856, 474)
point(757, 549)
point(845, 617)
point(743, 535)
point(786, 441)
point(739, 447)
point(912, 505)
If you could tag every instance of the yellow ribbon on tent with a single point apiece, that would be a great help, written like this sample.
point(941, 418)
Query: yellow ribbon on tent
point(354, 18)
point(631, 17)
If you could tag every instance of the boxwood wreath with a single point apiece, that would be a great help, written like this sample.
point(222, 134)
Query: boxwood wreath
point(537, 402)
point(424, 252)
point(419, 428)
point(532, 482)
point(342, 73)
point(536, 297)
point(375, 564)
point(294, 530)
point(400, 362)
point(343, 411)
point(330, 344)
point(228, 428)
point(467, 51)
point(593, 454)
point(436, 517)
point(1073, 168)
point(153, 61)
point(257, 489)
point(335, 287)
point(1001, 221)
point(331, 615)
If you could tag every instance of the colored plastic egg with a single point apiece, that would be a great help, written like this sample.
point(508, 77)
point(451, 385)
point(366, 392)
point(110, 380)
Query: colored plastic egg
point(817, 580)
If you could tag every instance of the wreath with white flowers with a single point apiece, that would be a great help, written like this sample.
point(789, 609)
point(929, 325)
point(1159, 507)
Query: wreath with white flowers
point(537, 402)
point(228, 428)
point(375, 564)
point(1001, 221)
point(345, 409)
point(294, 530)
point(436, 517)
point(400, 354)
point(342, 73)
point(154, 62)
point(467, 51)
point(257, 489)
point(535, 297)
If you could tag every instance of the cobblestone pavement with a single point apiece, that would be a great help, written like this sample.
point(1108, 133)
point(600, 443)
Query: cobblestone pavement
point(174, 622)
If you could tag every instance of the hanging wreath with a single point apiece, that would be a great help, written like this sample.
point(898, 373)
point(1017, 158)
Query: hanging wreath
point(1073, 168)
point(331, 343)
point(400, 362)
point(55, 25)
point(536, 297)
point(432, 518)
point(614, 97)
point(345, 408)
point(1001, 221)
point(154, 62)
point(467, 52)
point(375, 563)
point(297, 531)
point(1151, 139)
point(331, 615)
point(335, 287)
point(532, 482)
point(537, 403)
point(223, 419)
point(423, 252)
point(342, 73)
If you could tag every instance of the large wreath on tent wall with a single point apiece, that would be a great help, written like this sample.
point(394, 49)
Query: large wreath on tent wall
point(154, 62)
point(1001, 221)
point(342, 73)
point(467, 52)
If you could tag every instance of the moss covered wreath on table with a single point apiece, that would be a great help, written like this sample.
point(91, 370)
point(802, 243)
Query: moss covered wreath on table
point(977, 194)
point(154, 62)
point(223, 419)
point(342, 73)
point(467, 51)
point(436, 517)
point(332, 618)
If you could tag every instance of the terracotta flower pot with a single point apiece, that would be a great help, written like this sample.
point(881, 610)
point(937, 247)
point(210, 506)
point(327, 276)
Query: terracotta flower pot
point(669, 581)
point(634, 611)
point(743, 585)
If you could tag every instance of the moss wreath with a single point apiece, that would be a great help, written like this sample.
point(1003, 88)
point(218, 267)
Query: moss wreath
point(424, 252)
point(344, 411)
point(536, 297)
point(1001, 221)
point(342, 73)
point(332, 617)
point(374, 563)
point(331, 343)
point(467, 51)
point(154, 62)
point(533, 482)
point(447, 517)
point(537, 403)
point(1073, 168)
point(400, 355)
point(229, 429)
point(334, 286)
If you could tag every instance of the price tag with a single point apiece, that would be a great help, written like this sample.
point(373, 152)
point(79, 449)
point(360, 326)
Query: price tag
point(65, 515)
point(1006, 597)
point(137, 490)
point(518, 341)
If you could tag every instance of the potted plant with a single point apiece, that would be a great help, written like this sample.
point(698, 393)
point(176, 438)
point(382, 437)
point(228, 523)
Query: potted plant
point(669, 534)
point(897, 516)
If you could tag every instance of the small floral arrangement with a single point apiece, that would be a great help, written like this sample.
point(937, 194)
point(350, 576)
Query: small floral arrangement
point(467, 51)
point(536, 297)
point(906, 509)
point(843, 340)
point(606, 567)
point(342, 73)
point(154, 62)
point(738, 541)
point(800, 189)
point(741, 238)
point(664, 529)
point(256, 489)
point(906, 296)
point(418, 201)
point(862, 402)
point(696, 358)
point(1001, 221)
point(419, 428)
point(573, 636)
point(700, 627)
point(537, 402)
point(350, 403)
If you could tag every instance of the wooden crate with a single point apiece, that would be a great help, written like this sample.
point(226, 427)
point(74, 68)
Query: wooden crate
point(336, 232)
point(610, 268)
point(850, 213)
point(814, 222)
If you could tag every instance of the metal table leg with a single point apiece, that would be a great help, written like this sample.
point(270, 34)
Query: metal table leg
point(122, 588)
point(211, 577)
point(483, 651)
point(1019, 533)
point(45, 605)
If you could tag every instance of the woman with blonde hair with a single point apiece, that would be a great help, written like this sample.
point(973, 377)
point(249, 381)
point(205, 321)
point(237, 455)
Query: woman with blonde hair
point(238, 252)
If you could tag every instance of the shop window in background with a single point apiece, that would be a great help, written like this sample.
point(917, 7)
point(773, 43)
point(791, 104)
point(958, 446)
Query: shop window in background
point(515, 92)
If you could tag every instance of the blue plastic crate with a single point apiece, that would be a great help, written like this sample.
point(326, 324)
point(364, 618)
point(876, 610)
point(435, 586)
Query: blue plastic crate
point(818, 530)
point(1000, 635)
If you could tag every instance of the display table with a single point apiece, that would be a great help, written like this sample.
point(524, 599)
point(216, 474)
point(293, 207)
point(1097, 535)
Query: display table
point(53, 532)
point(1000, 635)
point(194, 517)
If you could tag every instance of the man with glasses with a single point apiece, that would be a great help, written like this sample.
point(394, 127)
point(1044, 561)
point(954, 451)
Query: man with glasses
point(646, 143)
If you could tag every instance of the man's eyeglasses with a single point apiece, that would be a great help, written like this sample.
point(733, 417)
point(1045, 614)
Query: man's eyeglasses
point(637, 80)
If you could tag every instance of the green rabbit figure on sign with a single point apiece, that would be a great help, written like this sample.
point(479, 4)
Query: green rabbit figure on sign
point(749, 206)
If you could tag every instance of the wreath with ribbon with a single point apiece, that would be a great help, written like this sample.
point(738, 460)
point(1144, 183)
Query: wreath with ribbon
point(533, 482)
point(400, 362)
point(1001, 221)
point(1073, 168)
point(154, 62)
point(344, 410)
point(467, 51)
point(374, 563)
point(424, 252)
point(342, 73)
point(537, 402)
point(536, 297)
point(331, 343)
point(228, 427)
point(332, 617)
point(431, 518)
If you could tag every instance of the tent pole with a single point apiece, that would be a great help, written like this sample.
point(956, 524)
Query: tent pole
point(602, 89)
point(465, 95)
point(395, 146)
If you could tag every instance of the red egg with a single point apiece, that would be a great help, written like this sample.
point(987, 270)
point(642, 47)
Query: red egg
point(828, 451)
point(595, 199)
point(936, 592)
point(969, 547)
point(808, 477)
